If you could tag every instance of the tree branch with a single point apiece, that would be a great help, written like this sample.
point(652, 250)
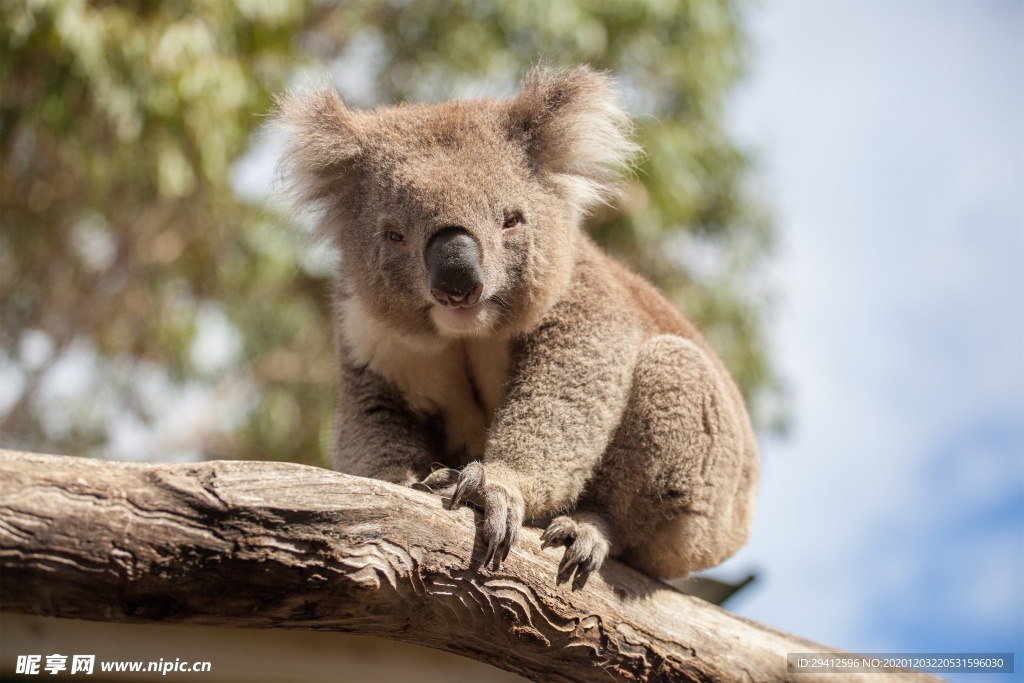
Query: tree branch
point(276, 545)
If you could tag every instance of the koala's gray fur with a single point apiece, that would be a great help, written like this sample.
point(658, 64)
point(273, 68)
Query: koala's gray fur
point(571, 386)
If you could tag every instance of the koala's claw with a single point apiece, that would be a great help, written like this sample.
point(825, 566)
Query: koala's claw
point(586, 549)
point(471, 481)
point(441, 481)
point(503, 516)
point(503, 511)
point(561, 531)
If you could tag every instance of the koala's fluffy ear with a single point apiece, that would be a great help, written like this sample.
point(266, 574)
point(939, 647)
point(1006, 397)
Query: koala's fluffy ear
point(321, 148)
point(575, 130)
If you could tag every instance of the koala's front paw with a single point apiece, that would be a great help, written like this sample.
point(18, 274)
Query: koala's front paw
point(586, 548)
point(503, 510)
point(441, 481)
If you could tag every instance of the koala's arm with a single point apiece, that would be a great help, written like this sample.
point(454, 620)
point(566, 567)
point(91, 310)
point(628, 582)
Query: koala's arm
point(567, 390)
point(376, 434)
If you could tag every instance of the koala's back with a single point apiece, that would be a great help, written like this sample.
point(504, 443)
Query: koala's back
point(630, 302)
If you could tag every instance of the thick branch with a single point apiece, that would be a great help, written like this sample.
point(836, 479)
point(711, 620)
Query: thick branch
point(277, 545)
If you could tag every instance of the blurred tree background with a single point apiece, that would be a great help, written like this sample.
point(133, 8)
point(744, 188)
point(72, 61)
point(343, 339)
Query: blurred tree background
point(152, 308)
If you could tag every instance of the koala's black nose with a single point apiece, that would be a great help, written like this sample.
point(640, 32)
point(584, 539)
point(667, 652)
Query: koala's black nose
point(453, 262)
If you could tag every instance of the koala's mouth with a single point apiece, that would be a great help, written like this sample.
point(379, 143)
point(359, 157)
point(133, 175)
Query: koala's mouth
point(462, 317)
point(453, 298)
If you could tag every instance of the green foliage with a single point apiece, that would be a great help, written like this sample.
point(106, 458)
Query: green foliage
point(124, 248)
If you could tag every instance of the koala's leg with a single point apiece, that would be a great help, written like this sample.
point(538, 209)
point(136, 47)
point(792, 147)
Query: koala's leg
point(678, 482)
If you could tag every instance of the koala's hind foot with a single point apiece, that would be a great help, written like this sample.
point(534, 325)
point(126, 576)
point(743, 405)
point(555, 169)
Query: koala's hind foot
point(503, 509)
point(585, 538)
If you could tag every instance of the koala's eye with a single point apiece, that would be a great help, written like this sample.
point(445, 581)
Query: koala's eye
point(396, 237)
point(512, 220)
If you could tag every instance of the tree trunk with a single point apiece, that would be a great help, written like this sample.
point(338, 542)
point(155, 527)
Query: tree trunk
point(276, 545)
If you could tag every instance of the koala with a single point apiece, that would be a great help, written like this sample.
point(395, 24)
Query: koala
point(480, 329)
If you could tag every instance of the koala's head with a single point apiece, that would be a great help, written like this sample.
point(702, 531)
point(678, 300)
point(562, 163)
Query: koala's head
point(458, 219)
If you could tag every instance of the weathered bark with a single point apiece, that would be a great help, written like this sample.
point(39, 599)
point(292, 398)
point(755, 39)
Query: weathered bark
point(277, 545)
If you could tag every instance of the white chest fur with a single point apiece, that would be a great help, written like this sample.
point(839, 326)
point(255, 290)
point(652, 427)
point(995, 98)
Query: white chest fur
point(461, 380)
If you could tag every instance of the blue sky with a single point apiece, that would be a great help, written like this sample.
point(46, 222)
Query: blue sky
point(890, 137)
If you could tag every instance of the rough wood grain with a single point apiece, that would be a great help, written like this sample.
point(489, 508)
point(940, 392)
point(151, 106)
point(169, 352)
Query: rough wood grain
point(278, 545)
